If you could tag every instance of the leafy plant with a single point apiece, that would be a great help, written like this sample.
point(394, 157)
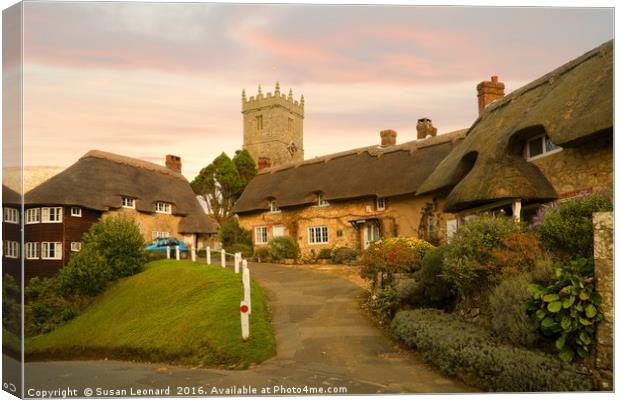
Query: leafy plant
point(283, 247)
point(567, 309)
point(245, 250)
point(325, 254)
point(433, 290)
point(261, 254)
point(393, 255)
point(344, 255)
point(385, 303)
point(232, 233)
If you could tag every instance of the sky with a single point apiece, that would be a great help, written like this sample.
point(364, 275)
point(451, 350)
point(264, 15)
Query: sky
point(149, 79)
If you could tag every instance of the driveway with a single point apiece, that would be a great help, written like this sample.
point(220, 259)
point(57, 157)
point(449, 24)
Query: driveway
point(323, 341)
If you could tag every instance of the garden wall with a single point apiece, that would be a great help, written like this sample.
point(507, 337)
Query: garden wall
point(603, 278)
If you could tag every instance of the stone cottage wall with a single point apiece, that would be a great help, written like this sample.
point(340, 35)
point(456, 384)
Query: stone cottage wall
point(603, 278)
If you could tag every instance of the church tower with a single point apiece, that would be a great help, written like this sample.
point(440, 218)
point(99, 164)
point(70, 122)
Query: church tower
point(273, 127)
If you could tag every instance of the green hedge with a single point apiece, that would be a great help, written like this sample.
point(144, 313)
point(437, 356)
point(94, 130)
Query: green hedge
point(459, 347)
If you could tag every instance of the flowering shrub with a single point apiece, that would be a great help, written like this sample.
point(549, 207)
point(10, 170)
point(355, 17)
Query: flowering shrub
point(394, 255)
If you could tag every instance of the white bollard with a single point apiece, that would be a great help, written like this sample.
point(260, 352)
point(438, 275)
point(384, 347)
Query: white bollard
point(247, 294)
point(168, 252)
point(178, 253)
point(237, 262)
point(223, 258)
point(208, 255)
point(193, 254)
point(245, 320)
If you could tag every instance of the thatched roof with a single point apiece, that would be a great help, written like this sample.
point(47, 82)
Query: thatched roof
point(99, 180)
point(10, 196)
point(368, 171)
point(571, 104)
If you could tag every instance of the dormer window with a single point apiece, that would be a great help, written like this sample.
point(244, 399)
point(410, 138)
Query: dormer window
point(76, 212)
point(273, 207)
point(380, 203)
point(163, 208)
point(540, 146)
point(128, 202)
point(322, 202)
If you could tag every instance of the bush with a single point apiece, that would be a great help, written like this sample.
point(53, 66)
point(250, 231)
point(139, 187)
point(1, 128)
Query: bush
point(393, 255)
point(283, 247)
point(566, 310)
point(566, 227)
point(232, 233)
point(325, 254)
point(262, 254)
point(384, 303)
point(432, 289)
point(11, 300)
point(245, 250)
point(87, 273)
point(344, 255)
point(459, 347)
point(154, 255)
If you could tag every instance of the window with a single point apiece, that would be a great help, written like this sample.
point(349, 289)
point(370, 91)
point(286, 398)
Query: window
point(128, 202)
point(164, 208)
point(11, 249)
point(11, 215)
point(380, 203)
point(51, 214)
point(273, 206)
point(318, 235)
point(76, 212)
point(540, 146)
point(33, 215)
point(76, 246)
point(322, 202)
point(339, 233)
point(261, 235)
point(259, 122)
point(278, 231)
point(159, 234)
point(33, 250)
point(51, 250)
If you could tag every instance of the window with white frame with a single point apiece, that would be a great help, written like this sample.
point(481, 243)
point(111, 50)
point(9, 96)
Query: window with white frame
point(160, 234)
point(51, 214)
point(76, 212)
point(51, 250)
point(318, 235)
point(33, 215)
point(540, 146)
point(11, 249)
point(380, 203)
point(128, 202)
point(322, 202)
point(76, 246)
point(261, 235)
point(11, 215)
point(33, 250)
point(164, 208)
point(273, 206)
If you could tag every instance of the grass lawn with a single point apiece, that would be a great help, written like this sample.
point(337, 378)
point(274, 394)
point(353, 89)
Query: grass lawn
point(176, 312)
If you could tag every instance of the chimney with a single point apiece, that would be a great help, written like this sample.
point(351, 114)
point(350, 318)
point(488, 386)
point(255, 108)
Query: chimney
point(425, 128)
point(264, 162)
point(388, 137)
point(173, 162)
point(488, 92)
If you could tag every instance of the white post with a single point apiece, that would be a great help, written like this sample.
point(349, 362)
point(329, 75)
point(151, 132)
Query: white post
point(168, 252)
point(223, 258)
point(237, 262)
point(516, 211)
point(178, 253)
point(245, 320)
point(208, 255)
point(193, 254)
point(247, 294)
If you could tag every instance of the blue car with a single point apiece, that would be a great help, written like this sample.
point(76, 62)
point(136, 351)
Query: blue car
point(160, 244)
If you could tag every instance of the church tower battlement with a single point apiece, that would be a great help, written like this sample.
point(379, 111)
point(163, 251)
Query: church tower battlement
point(273, 127)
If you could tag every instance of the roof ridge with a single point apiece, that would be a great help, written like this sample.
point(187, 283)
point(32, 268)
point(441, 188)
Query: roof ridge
point(132, 162)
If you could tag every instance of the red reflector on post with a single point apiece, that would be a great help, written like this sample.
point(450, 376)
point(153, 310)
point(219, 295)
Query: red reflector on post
point(244, 308)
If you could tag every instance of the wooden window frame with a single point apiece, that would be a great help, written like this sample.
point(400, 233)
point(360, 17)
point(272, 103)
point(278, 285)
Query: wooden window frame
point(49, 213)
point(318, 232)
point(256, 235)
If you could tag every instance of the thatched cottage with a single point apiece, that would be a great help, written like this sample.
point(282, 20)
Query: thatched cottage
point(60, 210)
point(11, 232)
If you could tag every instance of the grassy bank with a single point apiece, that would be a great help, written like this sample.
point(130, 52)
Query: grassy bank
point(175, 312)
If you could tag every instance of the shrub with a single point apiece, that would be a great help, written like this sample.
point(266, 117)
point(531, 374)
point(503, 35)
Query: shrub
point(566, 227)
point(384, 303)
point(510, 320)
point(567, 309)
point(471, 262)
point(232, 233)
point(344, 255)
point(283, 247)
point(393, 255)
point(87, 273)
point(432, 289)
point(262, 254)
point(245, 250)
point(11, 309)
point(154, 255)
point(459, 347)
point(325, 254)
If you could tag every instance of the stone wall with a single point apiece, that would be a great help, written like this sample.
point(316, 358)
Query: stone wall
point(603, 278)
point(152, 222)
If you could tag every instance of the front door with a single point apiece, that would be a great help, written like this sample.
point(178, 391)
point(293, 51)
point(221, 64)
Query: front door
point(371, 233)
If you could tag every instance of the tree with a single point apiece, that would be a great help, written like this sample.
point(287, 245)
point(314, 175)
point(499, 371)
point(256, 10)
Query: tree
point(222, 182)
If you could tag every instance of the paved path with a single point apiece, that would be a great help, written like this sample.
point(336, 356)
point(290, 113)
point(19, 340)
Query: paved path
point(323, 340)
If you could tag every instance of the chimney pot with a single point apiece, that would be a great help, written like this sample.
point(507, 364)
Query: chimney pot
point(425, 128)
point(173, 162)
point(263, 162)
point(489, 91)
point(388, 137)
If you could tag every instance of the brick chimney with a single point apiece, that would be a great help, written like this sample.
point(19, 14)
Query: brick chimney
point(173, 162)
point(489, 91)
point(425, 128)
point(388, 137)
point(264, 162)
